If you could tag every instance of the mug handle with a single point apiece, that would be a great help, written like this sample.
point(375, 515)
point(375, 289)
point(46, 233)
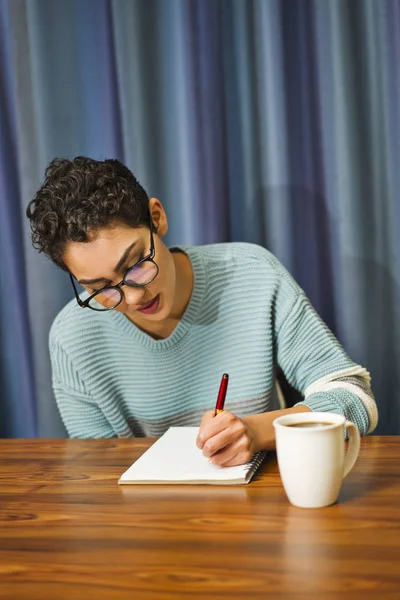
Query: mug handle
point(353, 449)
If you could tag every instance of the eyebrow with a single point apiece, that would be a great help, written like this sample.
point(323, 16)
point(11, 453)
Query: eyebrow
point(120, 263)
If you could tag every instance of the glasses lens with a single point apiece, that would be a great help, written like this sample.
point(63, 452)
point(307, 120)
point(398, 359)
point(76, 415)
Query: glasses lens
point(108, 298)
point(141, 274)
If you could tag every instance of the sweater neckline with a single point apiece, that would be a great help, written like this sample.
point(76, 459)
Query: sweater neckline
point(189, 316)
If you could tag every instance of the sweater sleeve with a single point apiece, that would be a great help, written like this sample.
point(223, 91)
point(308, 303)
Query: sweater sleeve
point(80, 413)
point(316, 364)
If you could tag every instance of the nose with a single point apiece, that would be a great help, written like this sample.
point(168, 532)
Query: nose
point(133, 296)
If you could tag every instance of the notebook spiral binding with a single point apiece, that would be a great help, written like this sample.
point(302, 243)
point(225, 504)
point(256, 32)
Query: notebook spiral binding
point(255, 462)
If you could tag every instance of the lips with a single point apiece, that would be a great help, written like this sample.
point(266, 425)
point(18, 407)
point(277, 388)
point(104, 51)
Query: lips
point(150, 306)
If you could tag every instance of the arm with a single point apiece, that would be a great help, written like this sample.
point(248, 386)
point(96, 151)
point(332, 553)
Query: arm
point(80, 412)
point(316, 364)
point(313, 362)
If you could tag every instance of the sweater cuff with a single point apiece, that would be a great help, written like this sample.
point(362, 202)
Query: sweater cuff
point(340, 402)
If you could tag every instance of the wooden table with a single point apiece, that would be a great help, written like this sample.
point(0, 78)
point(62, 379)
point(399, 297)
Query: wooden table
point(67, 530)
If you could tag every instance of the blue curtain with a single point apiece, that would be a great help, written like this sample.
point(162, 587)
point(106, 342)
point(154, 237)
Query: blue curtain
point(274, 122)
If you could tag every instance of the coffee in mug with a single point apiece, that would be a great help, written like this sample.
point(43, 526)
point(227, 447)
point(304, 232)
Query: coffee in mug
point(310, 425)
point(311, 456)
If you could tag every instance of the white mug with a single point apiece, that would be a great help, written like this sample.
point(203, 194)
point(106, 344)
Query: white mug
point(312, 460)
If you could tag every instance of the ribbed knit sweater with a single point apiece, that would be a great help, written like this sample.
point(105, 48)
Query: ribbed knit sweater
point(246, 316)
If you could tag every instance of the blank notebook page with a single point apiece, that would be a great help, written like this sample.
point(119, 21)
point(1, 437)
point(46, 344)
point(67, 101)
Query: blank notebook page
point(175, 458)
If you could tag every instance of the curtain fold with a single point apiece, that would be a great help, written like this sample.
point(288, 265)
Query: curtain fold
point(18, 398)
point(269, 121)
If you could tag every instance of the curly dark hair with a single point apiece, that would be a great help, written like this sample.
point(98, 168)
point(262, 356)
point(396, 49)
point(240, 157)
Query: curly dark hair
point(82, 195)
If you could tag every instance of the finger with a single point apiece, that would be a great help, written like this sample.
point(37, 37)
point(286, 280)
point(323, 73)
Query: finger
point(231, 456)
point(228, 436)
point(238, 459)
point(225, 459)
point(213, 426)
point(237, 453)
point(206, 418)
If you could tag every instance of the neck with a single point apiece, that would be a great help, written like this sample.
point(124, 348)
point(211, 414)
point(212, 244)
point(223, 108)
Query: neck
point(184, 284)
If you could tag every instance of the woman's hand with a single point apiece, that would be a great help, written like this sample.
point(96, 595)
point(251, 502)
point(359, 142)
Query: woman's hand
point(226, 439)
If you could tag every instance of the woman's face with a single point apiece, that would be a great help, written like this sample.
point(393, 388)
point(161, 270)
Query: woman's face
point(107, 255)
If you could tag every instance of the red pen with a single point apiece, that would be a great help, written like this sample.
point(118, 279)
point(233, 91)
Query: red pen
point(219, 407)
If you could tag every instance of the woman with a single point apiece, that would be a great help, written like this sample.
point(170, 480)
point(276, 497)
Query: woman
point(145, 346)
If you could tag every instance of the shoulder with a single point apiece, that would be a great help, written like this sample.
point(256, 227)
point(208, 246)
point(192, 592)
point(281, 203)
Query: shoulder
point(241, 252)
point(74, 324)
point(248, 269)
point(237, 256)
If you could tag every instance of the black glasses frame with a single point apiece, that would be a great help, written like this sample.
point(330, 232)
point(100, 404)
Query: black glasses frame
point(148, 258)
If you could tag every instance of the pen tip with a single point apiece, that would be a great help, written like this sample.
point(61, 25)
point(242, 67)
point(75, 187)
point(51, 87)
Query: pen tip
point(225, 375)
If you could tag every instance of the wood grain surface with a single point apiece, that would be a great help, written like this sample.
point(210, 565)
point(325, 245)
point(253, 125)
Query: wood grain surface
point(67, 530)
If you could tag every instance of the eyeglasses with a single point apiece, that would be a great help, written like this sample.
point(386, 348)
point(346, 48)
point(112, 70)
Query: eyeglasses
point(140, 274)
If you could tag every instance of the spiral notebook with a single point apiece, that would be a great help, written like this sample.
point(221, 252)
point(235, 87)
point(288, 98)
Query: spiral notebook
point(175, 459)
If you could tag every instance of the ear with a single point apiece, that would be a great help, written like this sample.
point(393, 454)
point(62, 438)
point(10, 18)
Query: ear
point(158, 216)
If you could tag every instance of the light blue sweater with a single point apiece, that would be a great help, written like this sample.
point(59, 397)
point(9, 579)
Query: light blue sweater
point(246, 315)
